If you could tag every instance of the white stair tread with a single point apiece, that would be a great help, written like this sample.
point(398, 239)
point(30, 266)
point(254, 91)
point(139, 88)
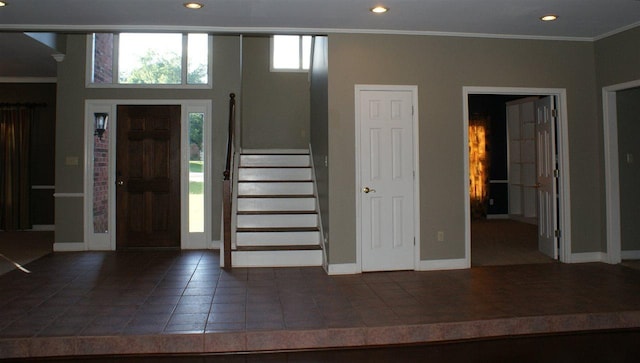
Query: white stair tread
point(309, 238)
point(284, 174)
point(275, 151)
point(276, 204)
point(274, 160)
point(277, 220)
point(275, 188)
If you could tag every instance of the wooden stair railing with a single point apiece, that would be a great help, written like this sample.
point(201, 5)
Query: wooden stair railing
point(227, 187)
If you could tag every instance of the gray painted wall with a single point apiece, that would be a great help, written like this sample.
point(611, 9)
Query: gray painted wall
point(275, 111)
point(617, 59)
point(628, 106)
point(319, 127)
point(72, 94)
point(441, 66)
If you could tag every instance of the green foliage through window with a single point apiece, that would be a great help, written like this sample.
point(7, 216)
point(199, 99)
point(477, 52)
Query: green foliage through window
point(151, 58)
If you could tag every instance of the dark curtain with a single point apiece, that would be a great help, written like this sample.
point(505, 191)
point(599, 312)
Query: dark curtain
point(15, 184)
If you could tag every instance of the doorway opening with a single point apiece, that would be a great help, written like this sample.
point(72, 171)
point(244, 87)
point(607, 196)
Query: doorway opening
point(621, 131)
point(515, 201)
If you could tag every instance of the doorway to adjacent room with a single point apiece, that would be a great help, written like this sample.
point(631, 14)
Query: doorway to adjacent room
point(515, 160)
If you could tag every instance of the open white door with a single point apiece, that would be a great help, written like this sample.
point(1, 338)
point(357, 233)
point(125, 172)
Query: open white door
point(386, 170)
point(546, 173)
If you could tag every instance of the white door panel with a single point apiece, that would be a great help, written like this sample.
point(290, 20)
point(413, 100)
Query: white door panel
point(545, 176)
point(386, 175)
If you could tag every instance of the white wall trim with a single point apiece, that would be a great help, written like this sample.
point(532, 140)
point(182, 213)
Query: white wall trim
point(584, 257)
point(564, 204)
point(630, 255)
point(446, 264)
point(611, 172)
point(68, 195)
point(69, 246)
point(28, 80)
point(343, 269)
point(279, 30)
point(497, 216)
point(43, 227)
point(416, 165)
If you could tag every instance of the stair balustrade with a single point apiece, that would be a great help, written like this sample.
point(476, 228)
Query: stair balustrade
point(227, 188)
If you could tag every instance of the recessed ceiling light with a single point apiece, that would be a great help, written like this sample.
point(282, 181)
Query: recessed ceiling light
point(549, 17)
point(193, 5)
point(379, 9)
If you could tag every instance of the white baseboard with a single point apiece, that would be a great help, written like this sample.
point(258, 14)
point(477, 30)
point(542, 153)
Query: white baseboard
point(451, 264)
point(630, 255)
point(585, 257)
point(342, 269)
point(201, 245)
point(69, 246)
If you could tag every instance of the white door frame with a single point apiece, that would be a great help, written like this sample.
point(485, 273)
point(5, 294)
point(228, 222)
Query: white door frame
point(611, 172)
point(416, 180)
point(564, 203)
point(107, 241)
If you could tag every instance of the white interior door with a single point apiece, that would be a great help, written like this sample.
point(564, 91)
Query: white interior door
point(386, 162)
point(546, 177)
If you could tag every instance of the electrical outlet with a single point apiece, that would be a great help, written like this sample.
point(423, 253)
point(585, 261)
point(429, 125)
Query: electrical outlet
point(71, 161)
point(491, 201)
point(629, 158)
point(440, 236)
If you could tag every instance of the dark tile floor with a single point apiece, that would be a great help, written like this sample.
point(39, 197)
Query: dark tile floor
point(130, 302)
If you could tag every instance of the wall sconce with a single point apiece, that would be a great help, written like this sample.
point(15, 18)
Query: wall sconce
point(101, 120)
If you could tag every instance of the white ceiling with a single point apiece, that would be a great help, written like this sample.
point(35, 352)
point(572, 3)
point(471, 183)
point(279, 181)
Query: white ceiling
point(578, 19)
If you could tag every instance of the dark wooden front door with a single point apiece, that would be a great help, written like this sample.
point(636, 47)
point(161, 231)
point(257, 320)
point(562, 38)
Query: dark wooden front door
point(148, 177)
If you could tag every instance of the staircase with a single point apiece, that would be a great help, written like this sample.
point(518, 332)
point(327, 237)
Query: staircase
point(276, 217)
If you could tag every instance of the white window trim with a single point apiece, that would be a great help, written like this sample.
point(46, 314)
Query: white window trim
point(114, 84)
point(300, 57)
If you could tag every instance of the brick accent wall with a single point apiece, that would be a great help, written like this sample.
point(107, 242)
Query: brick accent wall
point(103, 58)
point(101, 184)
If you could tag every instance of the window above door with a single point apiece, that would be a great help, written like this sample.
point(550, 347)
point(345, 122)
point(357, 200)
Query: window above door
point(149, 60)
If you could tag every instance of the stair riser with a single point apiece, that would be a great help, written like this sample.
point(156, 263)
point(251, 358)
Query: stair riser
point(277, 238)
point(284, 174)
point(276, 204)
point(298, 188)
point(277, 221)
point(274, 160)
point(276, 258)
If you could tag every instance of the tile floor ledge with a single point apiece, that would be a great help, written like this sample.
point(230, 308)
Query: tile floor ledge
point(252, 341)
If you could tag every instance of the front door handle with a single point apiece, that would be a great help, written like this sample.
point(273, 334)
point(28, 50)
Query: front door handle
point(368, 190)
point(120, 183)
